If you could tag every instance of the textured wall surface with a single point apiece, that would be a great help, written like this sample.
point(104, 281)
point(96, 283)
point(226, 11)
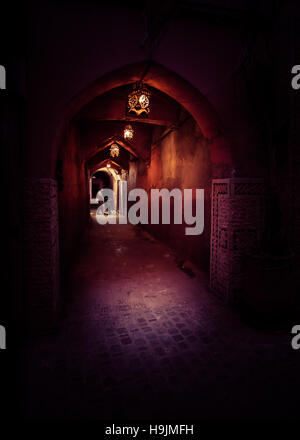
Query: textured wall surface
point(72, 197)
point(67, 56)
point(236, 228)
point(181, 160)
point(41, 251)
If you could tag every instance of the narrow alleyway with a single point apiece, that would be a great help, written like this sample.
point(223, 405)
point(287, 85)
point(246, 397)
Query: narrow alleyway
point(143, 338)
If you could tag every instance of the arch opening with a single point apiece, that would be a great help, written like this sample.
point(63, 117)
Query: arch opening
point(175, 147)
point(182, 134)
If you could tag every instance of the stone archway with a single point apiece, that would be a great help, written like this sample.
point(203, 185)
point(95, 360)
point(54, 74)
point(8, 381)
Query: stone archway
point(41, 206)
point(114, 176)
point(172, 85)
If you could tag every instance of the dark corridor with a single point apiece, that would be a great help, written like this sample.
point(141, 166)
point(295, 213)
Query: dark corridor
point(186, 100)
point(143, 338)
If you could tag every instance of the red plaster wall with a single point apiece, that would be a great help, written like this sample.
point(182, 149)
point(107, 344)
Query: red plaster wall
point(73, 197)
point(181, 160)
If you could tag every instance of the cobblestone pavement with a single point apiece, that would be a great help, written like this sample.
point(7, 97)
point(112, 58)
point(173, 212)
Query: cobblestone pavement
point(143, 339)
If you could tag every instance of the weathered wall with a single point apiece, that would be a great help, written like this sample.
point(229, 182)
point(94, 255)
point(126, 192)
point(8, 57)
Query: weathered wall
point(185, 159)
point(72, 196)
point(41, 270)
point(181, 160)
point(219, 57)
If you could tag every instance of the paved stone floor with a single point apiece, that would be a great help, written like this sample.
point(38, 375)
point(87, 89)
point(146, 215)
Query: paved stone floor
point(143, 339)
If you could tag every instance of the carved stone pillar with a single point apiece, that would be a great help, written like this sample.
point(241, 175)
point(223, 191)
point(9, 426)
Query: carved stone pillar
point(41, 251)
point(237, 214)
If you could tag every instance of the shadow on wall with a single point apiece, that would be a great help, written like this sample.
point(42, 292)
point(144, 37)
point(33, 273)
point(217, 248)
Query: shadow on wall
point(181, 160)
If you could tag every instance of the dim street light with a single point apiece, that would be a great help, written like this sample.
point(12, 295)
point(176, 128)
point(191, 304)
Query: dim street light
point(114, 150)
point(128, 132)
point(139, 99)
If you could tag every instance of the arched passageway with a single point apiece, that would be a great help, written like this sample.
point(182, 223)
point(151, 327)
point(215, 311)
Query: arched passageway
point(138, 304)
point(104, 178)
point(138, 331)
point(142, 294)
point(178, 145)
point(100, 179)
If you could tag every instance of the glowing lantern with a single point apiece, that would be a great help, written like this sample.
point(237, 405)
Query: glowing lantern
point(139, 99)
point(114, 150)
point(128, 132)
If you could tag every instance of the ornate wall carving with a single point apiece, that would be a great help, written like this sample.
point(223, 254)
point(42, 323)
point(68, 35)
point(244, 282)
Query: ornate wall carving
point(236, 228)
point(41, 251)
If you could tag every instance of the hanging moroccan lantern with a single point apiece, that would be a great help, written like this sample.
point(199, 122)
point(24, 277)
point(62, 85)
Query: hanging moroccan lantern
point(139, 99)
point(128, 132)
point(114, 150)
